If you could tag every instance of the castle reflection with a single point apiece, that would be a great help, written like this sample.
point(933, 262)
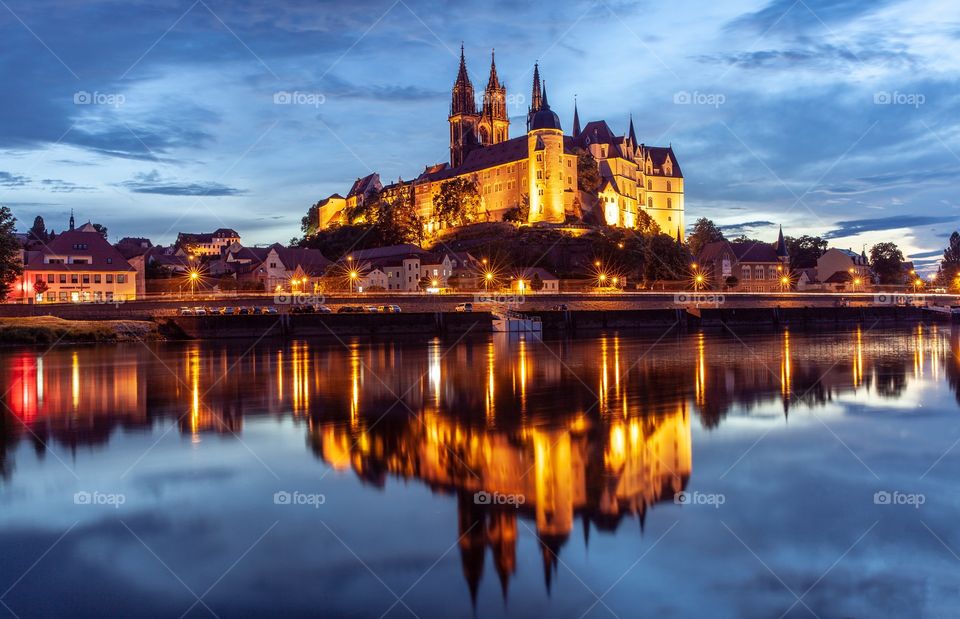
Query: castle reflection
point(588, 432)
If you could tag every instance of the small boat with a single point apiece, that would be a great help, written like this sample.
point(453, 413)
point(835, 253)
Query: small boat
point(515, 322)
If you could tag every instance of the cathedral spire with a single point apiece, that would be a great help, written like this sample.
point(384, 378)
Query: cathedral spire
point(536, 97)
point(462, 101)
point(544, 105)
point(494, 81)
point(71, 219)
point(576, 118)
point(633, 134)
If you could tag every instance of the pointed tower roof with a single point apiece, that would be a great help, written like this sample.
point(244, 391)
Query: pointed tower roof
point(494, 81)
point(462, 101)
point(71, 219)
point(544, 105)
point(633, 134)
point(537, 94)
point(782, 246)
point(462, 77)
point(576, 118)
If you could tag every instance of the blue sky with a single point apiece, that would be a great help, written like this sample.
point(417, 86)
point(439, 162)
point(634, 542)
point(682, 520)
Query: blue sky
point(159, 116)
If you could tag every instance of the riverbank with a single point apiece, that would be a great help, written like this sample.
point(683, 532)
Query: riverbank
point(52, 330)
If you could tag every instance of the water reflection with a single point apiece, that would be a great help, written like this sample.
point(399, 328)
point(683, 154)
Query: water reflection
point(591, 433)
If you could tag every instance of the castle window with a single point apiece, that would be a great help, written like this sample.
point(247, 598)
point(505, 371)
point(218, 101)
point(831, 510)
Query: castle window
point(649, 185)
point(669, 203)
point(539, 174)
point(668, 186)
point(649, 202)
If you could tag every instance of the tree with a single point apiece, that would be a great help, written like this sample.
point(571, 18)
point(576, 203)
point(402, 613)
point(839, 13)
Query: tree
point(665, 259)
point(887, 262)
point(101, 229)
point(11, 265)
point(519, 213)
point(950, 265)
point(704, 232)
point(38, 231)
point(458, 202)
point(805, 250)
point(536, 283)
point(588, 173)
point(40, 287)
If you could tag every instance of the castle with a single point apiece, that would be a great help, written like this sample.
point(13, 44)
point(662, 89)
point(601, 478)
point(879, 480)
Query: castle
point(535, 173)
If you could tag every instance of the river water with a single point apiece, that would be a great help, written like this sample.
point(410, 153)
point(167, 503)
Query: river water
point(680, 475)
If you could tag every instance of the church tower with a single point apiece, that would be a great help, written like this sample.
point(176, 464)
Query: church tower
point(494, 122)
point(464, 119)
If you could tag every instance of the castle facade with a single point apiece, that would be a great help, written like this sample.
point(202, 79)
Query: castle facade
point(535, 173)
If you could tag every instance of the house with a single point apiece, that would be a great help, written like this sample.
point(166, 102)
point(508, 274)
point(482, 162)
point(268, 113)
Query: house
point(78, 266)
point(207, 244)
point(522, 283)
point(751, 266)
point(402, 267)
point(807, 280)
point(277, 267)
point(844, 269)
point(136, 251)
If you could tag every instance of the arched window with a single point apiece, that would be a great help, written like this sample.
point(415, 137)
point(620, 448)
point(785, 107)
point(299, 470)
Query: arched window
point(649, 202)
point(669, 203)
point(669, 188)
point(649, 185)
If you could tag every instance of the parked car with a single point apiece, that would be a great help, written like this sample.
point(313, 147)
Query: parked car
point(269, 310)
point(395, 309)
point(229, 311)
point(243, 311)
point(323, 309)
point(349, 309)
point(464, 307)
point(200, 311)
point(372, 309)
point(562, 307)
point(186, 311)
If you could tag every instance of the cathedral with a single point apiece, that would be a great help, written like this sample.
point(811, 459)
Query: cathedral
point(536, 172)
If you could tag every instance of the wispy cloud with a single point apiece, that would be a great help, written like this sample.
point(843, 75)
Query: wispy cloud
point(153, 183)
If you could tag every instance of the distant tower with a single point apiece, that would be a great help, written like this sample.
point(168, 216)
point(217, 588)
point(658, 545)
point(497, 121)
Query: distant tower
point(545, 152)
point(463, 116)
point(633, 134)
point(494, 122)
point(536, 98)
point(783, 255)
point(71, 219)
point(576, 118)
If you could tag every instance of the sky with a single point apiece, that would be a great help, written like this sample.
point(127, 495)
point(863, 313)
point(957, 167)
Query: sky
point(154, 117)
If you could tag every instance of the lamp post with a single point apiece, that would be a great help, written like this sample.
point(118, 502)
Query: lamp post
point(194, 276)
point(353, 278)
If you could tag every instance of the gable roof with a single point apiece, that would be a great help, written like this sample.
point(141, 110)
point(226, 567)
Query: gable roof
point(87, 244)
point(391, 251)
point(362, 186)
point(742, 251)
point(529, 272)
point(312, 261)
point(659, 155)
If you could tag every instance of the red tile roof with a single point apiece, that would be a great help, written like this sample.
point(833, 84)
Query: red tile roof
point(79, 244)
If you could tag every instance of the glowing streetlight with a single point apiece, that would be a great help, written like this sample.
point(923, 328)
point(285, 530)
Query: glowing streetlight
point(353, 277)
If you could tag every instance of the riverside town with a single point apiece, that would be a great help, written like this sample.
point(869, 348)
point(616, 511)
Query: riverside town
point(462, 310)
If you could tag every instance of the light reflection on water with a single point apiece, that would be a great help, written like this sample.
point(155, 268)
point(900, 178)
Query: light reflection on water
point(478, 474)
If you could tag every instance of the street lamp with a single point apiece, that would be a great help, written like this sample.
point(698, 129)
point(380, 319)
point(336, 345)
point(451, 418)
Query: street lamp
point(194, 276)
point(353, 278)
point(487, 280)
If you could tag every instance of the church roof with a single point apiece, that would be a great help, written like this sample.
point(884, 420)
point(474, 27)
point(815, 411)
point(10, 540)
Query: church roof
point(481, 158)
point(742, 251)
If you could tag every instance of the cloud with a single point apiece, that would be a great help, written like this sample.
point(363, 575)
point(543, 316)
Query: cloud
point(57, 185)
point(897, 222)
point(13, 180)
point(153, 183)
